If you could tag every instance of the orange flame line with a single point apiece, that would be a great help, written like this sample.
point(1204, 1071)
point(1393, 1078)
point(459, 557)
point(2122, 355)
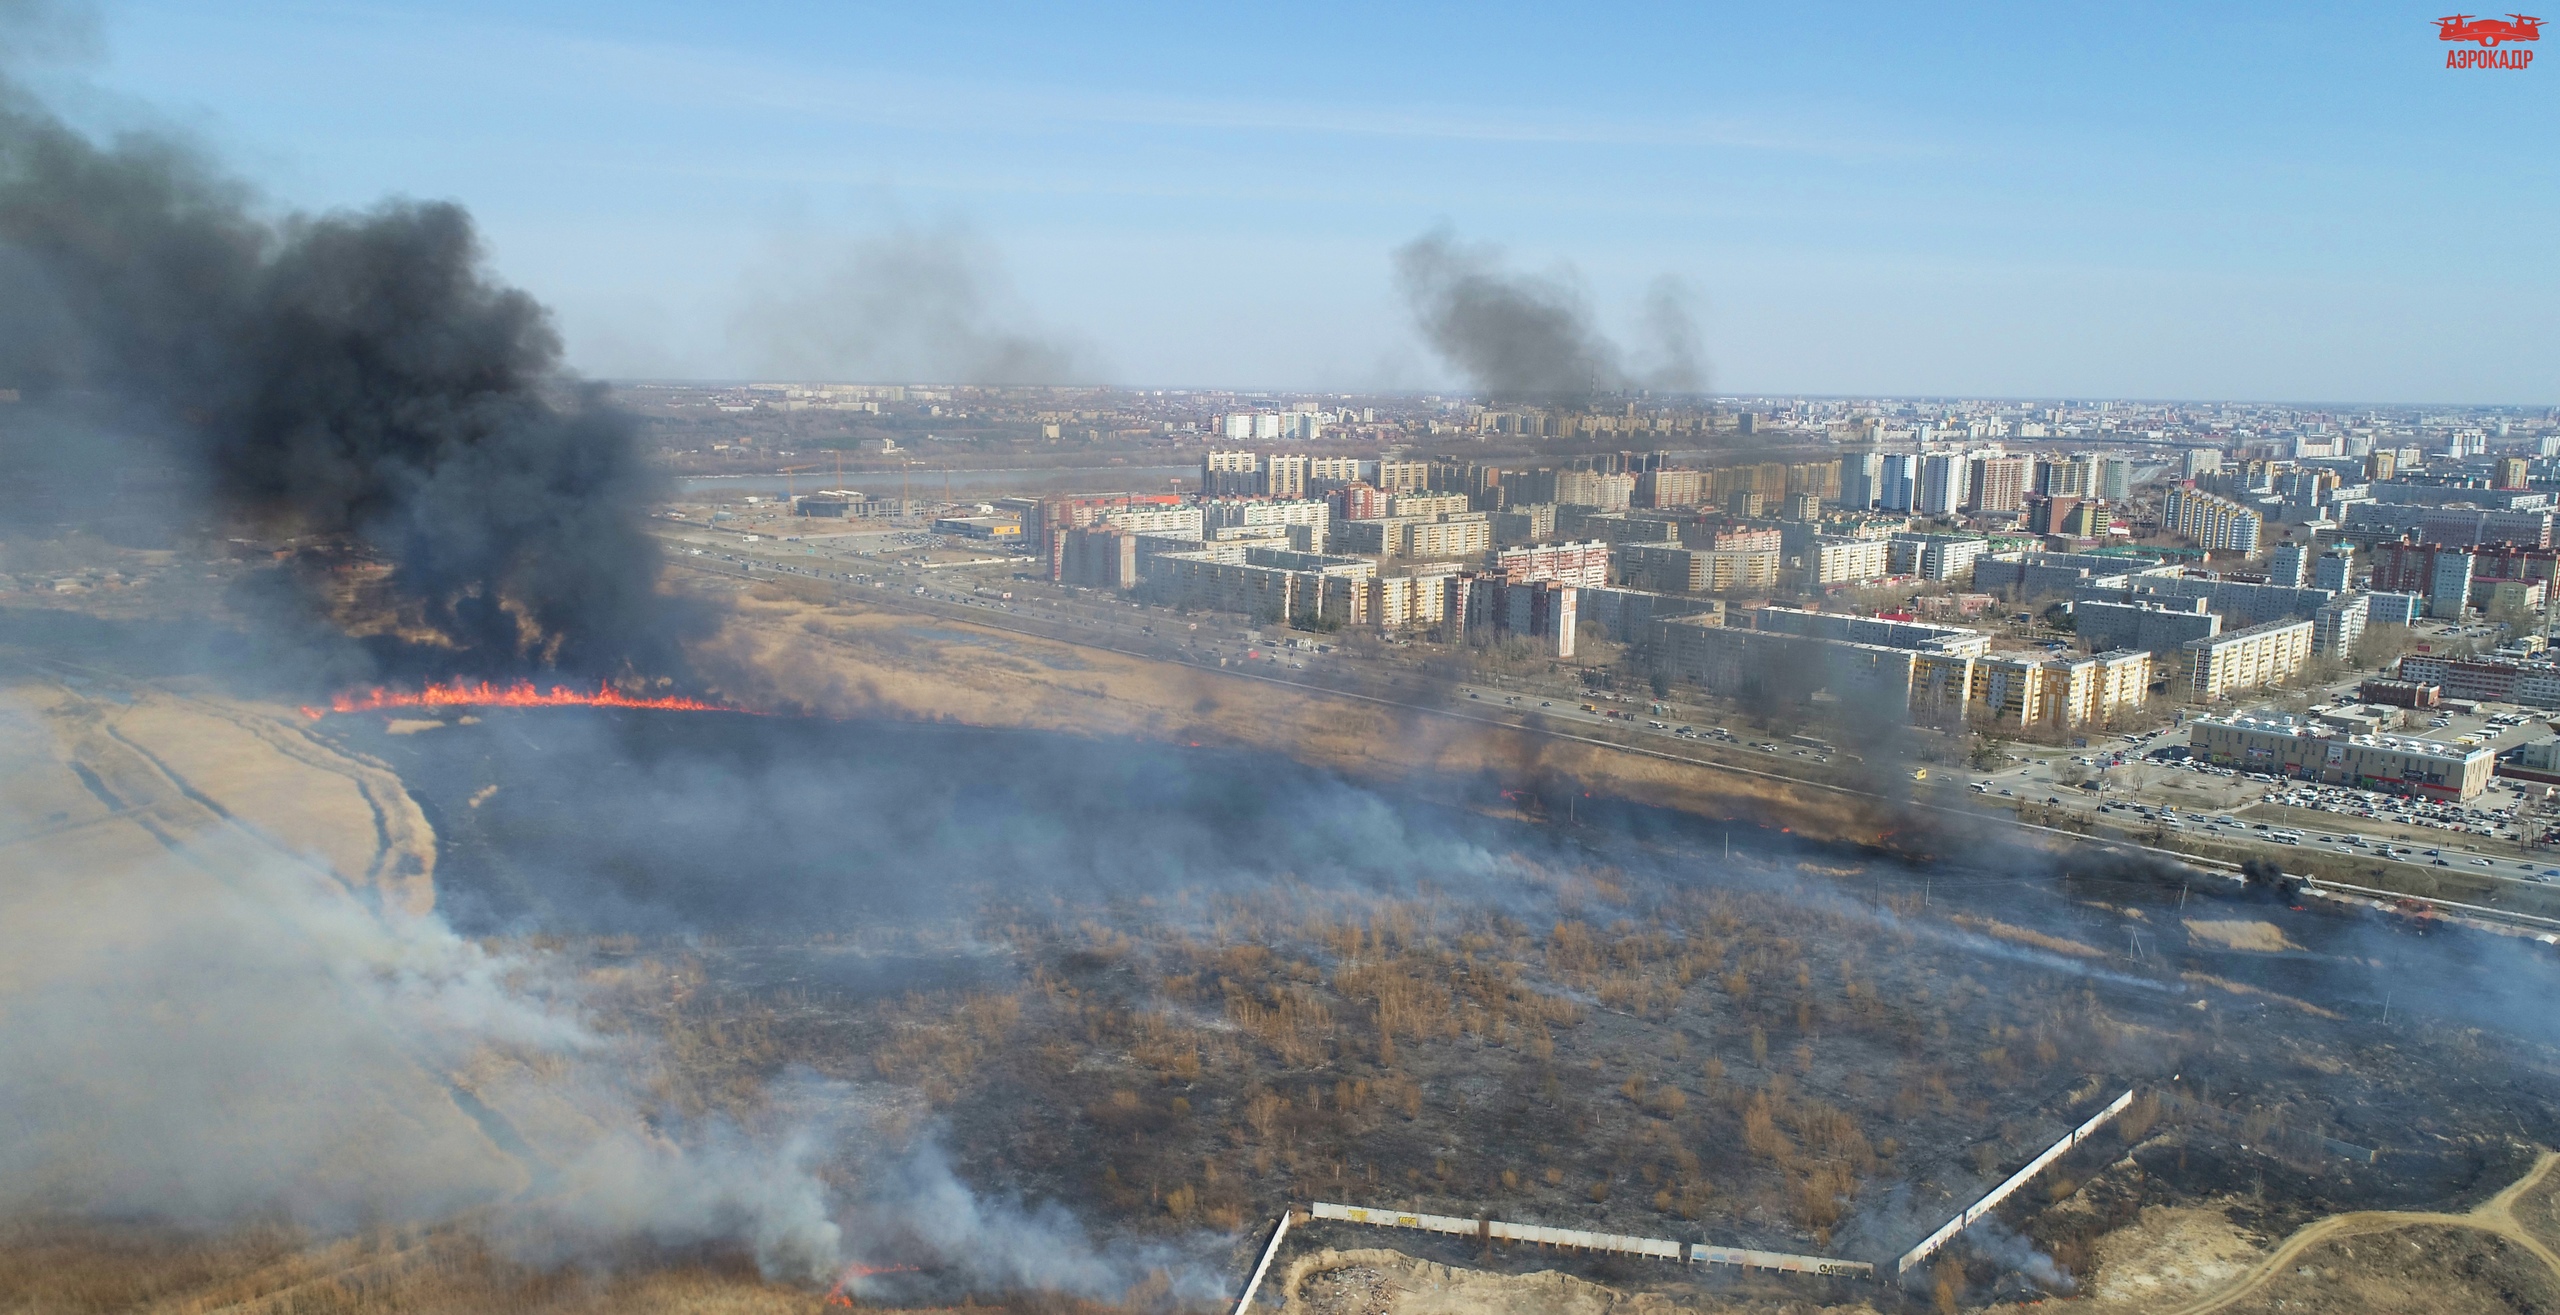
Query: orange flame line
point(836, 1295)
point(522, 694)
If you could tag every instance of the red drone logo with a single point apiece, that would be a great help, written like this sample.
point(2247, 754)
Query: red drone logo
point(2488, 33)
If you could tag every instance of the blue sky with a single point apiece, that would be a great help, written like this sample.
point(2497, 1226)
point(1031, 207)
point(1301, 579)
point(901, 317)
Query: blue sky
point(2250, 201)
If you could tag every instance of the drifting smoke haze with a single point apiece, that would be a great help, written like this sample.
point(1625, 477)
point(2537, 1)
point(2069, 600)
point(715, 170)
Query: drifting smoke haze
point(922, 302)
point(1532, 338)
point(223, 1036)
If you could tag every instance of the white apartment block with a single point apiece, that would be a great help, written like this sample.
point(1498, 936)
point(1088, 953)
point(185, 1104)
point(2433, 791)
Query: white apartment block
point(1404, 505)
point(2212, 522)
point(2254, 658)
point(1847, 561)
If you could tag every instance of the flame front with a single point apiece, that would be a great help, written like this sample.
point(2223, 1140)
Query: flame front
point(522, 694)
point(837, 1296)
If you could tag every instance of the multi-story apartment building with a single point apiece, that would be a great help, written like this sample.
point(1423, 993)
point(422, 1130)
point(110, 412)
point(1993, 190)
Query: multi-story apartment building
point(2033, 690)
point(2155, 627)
point(2212, 522)
point(1545, 613)
point(1584, 564)
point(1449, 535)
point(1670, 487)
point(2254, 658)
point(1284, 476)
point(2290, 564)
point(1222, 513)
point(1939, 557)
point(1425, 505)
point(1408, 602)
point(1861, 481)
point(1665, 569)
point(1592, 488)
point(1270, 584)
point(1998, 483)
point(1528, 522)
point(1231, 474)
point(1942, 483)
point(1847, 561)
point(1898, 483)
point(1398, 476)
point(1359, 501)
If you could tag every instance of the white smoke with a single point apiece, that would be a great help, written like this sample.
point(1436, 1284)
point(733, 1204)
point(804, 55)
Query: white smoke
point(222, 1034)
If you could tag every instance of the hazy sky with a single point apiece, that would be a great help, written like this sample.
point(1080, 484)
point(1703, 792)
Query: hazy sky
point(2226, 200)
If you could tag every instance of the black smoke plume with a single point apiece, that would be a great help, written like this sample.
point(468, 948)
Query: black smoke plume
point(358, 381)
point(1532, 338)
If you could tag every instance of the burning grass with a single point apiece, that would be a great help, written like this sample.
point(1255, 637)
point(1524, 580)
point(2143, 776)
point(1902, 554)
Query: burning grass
point(519, 694)
point(1662, 1058)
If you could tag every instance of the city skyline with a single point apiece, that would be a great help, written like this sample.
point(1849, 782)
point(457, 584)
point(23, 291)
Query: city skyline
point(2190, 203)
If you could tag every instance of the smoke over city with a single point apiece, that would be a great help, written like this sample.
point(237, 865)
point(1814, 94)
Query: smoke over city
point(906, 302)
point(357, 380)
point(1523, 337)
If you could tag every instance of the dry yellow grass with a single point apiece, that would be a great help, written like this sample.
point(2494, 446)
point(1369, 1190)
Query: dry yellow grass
point(847, 658)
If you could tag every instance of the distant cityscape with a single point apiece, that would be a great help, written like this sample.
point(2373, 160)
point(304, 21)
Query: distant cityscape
point(2043, 566)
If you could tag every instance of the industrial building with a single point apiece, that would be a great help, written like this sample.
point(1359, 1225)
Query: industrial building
point(2310, 750)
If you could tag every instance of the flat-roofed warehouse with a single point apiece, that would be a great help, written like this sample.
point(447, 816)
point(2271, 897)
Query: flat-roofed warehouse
point(2289, 746)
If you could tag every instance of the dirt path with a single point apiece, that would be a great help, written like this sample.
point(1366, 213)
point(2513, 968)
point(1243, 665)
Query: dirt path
point(2495, 1216)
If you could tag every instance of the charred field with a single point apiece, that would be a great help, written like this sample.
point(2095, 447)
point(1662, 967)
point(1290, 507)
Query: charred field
point(1171, 992)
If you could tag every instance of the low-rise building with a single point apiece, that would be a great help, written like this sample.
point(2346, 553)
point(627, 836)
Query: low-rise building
point(2486, 679)
point(2292, 747)
point(979, 527)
